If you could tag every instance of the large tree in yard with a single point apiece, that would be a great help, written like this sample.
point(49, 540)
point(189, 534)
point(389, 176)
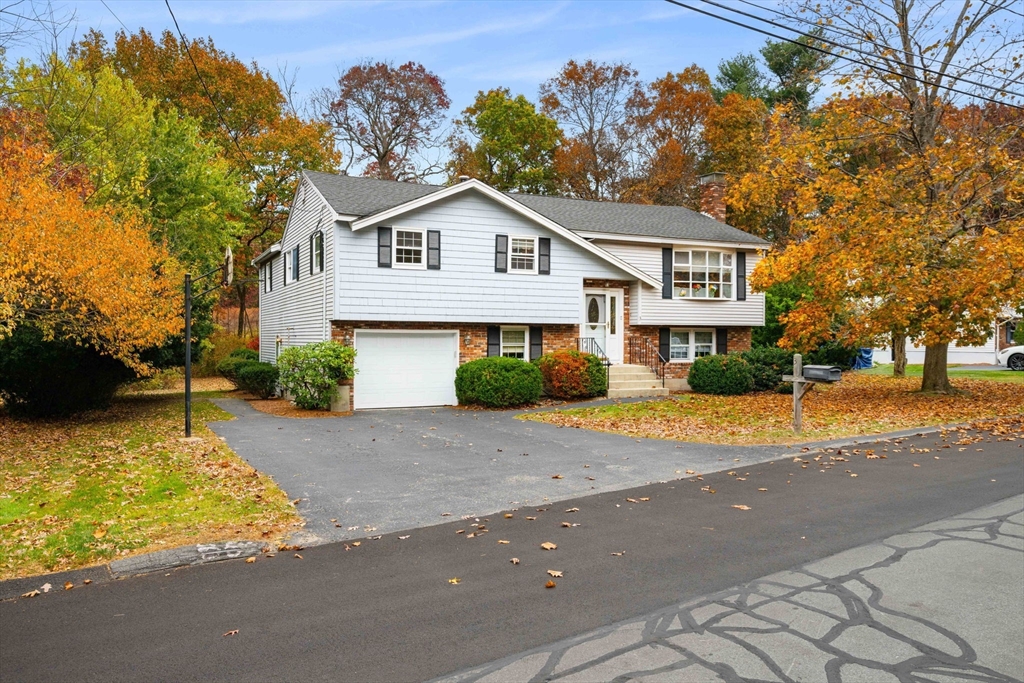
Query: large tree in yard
point(387, 117)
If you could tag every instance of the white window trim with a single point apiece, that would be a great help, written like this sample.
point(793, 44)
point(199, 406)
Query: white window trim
point(317, 267)
point(526, 340)
point(268, 277)
point(690, 250)
point(692, 345)
point(536, 255)
point(289, 267)
point(422, 265)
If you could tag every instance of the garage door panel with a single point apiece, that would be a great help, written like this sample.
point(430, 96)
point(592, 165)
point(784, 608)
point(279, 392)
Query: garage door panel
point(405, 369)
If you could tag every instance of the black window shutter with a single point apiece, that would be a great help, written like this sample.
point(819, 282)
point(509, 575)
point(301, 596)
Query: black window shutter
point(493, 340)
point(664, 342)
point(312, 249)
point(383, 247)
point(666, 273)
point(320, 238)
point(721, 340)
point(295, 262)
point(433, 250)
point(544, 256)
point(501, 253)
point(536, 342)
point(741, 276)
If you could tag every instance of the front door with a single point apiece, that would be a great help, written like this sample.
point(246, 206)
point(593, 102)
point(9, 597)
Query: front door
point(602, 323)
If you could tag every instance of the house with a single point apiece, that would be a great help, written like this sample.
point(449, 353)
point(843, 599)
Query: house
point(421, 278)
point(984, 354)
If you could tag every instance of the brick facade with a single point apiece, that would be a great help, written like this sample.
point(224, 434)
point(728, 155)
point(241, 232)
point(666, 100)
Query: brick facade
point(738, 339)
point(472, 336)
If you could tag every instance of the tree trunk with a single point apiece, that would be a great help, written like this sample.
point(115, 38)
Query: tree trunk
point(242, 291)
point(899, 355)
point(936, 378)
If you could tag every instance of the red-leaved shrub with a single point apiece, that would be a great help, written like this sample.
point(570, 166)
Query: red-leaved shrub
point(568, 374)
point(254, 343)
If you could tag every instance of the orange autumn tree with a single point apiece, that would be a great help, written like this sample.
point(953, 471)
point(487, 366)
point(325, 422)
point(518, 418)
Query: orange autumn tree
point(79, 273)
point(930, 244)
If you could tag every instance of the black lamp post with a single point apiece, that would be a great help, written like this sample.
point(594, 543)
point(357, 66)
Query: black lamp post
point(227, 270)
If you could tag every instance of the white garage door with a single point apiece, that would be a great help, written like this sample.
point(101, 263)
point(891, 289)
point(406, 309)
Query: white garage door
point(405, 369)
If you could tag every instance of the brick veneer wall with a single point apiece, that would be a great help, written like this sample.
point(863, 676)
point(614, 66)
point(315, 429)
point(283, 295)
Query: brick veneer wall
point(472, 336)
point(738, 339)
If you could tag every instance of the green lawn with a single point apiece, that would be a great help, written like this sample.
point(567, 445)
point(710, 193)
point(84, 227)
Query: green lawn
point(118, 482)
point(964, 371)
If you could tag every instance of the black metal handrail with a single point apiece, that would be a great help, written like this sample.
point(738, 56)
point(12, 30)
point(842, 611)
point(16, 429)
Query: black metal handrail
point(590, 345)
point(643, 352)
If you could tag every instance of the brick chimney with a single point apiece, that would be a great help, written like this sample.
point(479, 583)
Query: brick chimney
point(712, 195)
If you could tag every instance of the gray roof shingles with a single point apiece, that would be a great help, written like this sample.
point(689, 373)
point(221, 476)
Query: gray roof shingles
point(357, 196)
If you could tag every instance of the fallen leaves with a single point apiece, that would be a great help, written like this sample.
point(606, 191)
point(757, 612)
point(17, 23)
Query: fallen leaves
point(550, 584)
point(455, 581)
point(548, 545)
point(232, 632)
point(554, 573)
point(742, 507)
point(557, 476)
point(503, 542)
point(31, 594)
point(514, 560)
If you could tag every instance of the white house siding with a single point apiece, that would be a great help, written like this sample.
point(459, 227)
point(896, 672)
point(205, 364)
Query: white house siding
point(297, 312)
point(959, 355)
point(653, 310)
point(466, 288)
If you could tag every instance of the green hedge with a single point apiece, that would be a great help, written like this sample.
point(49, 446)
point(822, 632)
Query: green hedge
point(246, 353)
point(498, 382)
point(726, 375)
point(311, 373)
point(228, 368)
point(258, 378)
point(570, 374)
point(768, 365)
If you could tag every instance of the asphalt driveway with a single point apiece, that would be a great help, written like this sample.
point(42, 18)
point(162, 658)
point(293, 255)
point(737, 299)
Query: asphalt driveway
point(388, 470)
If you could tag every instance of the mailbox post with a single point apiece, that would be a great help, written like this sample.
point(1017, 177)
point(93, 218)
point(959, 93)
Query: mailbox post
point(804, 379)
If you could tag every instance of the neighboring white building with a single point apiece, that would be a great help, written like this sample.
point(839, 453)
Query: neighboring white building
point(1002, 337)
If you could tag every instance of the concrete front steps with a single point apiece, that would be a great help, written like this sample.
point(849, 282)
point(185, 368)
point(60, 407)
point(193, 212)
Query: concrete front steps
point(633, 381)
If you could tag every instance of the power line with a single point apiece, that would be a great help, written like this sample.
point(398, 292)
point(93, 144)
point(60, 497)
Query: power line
point(849, 59)
point(202, 82)
point(1011, 11)
point(831, 28)
point(104, 2)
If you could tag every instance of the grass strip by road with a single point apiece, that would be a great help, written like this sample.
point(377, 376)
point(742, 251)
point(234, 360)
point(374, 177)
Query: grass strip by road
point(860, 404)
point(118, 482)
point(955, 371)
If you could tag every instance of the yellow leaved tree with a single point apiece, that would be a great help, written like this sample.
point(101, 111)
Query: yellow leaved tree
point(81, 273)
point(928, 244)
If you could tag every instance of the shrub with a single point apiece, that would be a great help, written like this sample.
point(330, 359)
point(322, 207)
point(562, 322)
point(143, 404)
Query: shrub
point(228, 368)
point(832, 353)
point(258, 378)
point(246, 353)
point(498, 382)
point(768, 365)
point(311, 373)
point(213, 350)
point(254, 344)
point(40, 378)
point(726, 375)
point(571, 374)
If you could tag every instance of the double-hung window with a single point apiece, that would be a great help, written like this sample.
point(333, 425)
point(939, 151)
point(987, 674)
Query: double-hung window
point(409, 249)
point(685, 345)
point(702, 274)
point(268, 277)
point(291, 265)
point(316, 252)
point(522, 257)
point(515, 343)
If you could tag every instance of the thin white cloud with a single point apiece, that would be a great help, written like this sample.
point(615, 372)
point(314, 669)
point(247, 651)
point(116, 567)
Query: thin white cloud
point(353, 49)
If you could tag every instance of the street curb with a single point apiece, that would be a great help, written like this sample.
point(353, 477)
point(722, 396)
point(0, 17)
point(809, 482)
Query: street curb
point(147, 563)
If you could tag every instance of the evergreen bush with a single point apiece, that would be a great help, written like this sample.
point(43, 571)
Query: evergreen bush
point(498, 382)
point(726, 375)
point(768, 365)
point(311, 373)
point(259, 379)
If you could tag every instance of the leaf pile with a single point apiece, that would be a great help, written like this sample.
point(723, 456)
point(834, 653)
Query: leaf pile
point(109, 484)
point(859, 404)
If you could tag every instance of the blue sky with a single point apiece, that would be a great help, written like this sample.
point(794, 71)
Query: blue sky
point(471, 45)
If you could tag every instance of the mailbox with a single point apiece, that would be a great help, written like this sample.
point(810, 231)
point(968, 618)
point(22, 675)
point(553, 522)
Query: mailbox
point(823, 373)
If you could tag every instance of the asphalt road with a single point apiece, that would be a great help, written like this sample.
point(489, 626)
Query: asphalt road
point(386, 611)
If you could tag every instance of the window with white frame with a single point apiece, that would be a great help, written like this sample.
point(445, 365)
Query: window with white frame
point(522, 255)
point(289, 267)
point(268, 276)
point(515, 342)
point(409, 249)
point(316, 252)
point(685, 345)
point(702, 274)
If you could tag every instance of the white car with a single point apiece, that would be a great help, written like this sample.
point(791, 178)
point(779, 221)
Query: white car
point(1012, 357)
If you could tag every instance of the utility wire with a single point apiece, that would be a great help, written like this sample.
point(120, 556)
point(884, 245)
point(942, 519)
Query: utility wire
point(849, 59)
point(831, 28)
point(104, 3)
point(202, 82)
point(1011, 11)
